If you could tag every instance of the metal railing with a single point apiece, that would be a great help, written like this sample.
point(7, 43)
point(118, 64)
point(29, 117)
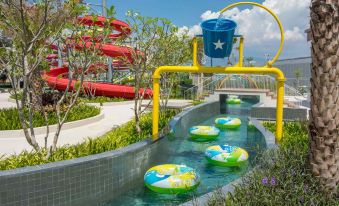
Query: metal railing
point(193, 92)
point(236, 81)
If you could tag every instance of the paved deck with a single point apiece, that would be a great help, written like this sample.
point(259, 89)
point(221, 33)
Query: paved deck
point(172, 103)
point(4, 103)
point(116, 114)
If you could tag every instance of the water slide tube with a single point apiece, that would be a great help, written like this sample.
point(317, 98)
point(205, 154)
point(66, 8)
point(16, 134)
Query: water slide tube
point(55, 77)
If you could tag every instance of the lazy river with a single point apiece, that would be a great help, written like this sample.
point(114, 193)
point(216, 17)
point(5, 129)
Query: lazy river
point(180, 150)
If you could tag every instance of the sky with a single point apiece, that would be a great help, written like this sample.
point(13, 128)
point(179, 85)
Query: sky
point(262, 35)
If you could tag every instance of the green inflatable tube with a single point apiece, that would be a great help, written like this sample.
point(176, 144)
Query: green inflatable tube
point(233, 101)
point(226, 155)
point(171, 179)
point(227, 123)
point(204, 133)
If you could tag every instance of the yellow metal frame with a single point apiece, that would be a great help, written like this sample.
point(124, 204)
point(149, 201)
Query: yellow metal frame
point(237, 69)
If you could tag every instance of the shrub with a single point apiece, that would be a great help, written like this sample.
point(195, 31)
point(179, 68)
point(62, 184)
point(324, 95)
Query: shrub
point(282, 176)
point(99, 99)
point(117, 138)
point(48, 97)
point(197, 102)
point(51, 97)
point(3, 75)
point(9, 118)
point(14, 96)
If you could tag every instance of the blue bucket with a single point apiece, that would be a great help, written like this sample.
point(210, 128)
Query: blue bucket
point(218, 42)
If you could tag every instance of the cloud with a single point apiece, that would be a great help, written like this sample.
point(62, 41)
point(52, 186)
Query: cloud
point(262, 32)
point(294, 35)
point(192, 31)
point(209, 15)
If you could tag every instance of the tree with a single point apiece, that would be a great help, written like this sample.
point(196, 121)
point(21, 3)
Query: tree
point(29, 26)
point(173, 50)
point(33, 27)
point(297, 73)
point(324, 116)
point(3, 75)
point(155, 43)
point(82, 50)
point(249, 61)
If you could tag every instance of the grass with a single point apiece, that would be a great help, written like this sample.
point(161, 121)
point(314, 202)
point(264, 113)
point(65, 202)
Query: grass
point(9, 118)
point(197, 102)
point(82, 99)
point(99, 99)
point(117, 138)
point(283, 176)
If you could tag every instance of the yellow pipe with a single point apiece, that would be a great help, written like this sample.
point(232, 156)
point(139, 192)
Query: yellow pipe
point(195, 51)
point(227, 70)
point(234, 70)
point(280, 109)
point(270, 63)
point(156, 96)
point(196, 68)
point(241, 51)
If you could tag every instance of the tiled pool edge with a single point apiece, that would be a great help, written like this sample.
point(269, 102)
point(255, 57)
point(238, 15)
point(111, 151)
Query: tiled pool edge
point(90, 180)
point(229, 188)
point(269, 136)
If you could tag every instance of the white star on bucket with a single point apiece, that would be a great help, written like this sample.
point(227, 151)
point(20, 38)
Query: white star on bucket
point(218, 45)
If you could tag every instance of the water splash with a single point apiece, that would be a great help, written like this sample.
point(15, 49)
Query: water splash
point(218, 24)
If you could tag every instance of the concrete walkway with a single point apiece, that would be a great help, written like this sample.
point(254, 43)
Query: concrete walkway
point(4, 103)
point(115, 114)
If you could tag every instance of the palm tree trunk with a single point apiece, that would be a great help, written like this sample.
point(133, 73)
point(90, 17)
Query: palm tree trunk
point(324, 116)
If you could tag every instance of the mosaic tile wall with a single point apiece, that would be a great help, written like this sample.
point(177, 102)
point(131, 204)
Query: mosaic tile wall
point(91, 180)
point(81, 181)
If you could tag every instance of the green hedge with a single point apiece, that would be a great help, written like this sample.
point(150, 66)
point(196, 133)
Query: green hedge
point(9, 118)
point(99, 99)
point(117, 138)
point(283, 176)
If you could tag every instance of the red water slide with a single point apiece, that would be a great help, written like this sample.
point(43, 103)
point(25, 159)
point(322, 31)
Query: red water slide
point(55, 79)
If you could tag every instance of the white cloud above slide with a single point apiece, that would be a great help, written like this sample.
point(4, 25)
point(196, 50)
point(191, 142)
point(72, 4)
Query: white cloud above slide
point(261, 32)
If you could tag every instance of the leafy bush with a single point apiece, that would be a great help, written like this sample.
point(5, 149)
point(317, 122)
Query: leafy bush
point(197, 102)
point(3, 77)
point(14, 96)
point(47, 97)
point(186, 81)
point(282, 177)
point(99, 99)
point(50, 97)
point(117, 138)
point(9, 118)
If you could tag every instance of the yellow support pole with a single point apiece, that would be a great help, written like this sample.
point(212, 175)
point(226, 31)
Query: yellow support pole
point(156, 96)
point(280, 109)
point(195, 51)
point(226, 70)
point(239, 69)
point(241, 51)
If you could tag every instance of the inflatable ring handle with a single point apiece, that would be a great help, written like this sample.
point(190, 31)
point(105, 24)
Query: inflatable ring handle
point(269, 63)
